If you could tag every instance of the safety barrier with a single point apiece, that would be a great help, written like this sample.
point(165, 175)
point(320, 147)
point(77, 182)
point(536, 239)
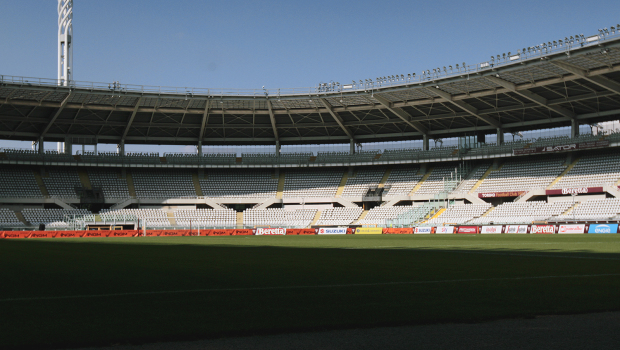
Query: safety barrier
point(609, 228)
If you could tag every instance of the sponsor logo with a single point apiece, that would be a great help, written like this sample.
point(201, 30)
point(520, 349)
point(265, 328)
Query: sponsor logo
point(444, 229)
point(368, 231)
point(491, 229)
point(516, 229)
point(501, 194)
point(423, 229)
point(603, 228)
point(542, 229)
point(572, 228)
point(270, 231)
point(559, 148)
point(468, 229)
point(333, 231)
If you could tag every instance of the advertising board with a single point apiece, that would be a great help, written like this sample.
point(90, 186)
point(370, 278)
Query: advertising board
point(467, 229)
point(500, 194)
point(543, 229)
point(560, 148)
point(270, 231)
point(579, 190)
point(423, 230)
point(332, 231)
point(368, 231)
point(516, 229)
point(492, 229)
point(398, 230)
point(573, 228)
point(444, 230)
point(603, 228)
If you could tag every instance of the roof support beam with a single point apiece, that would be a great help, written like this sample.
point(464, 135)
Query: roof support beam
point(273, 121)
point(58, 111)
point(465, 106)
point(402, 114)
point(338, 119)
point(541, 101)
point(133, 115)
point(205, 120)
point(599, 80)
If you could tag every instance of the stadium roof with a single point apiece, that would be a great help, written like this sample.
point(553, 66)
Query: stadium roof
point(541, 87)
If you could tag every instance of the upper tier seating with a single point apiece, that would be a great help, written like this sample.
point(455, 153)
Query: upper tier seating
point(109, 181)
point(206, 218)
point(364, 178)
point(435, 182)
point(402, 180)
point(18, 182)
point(239, 183)
point(8, 218)
point(460, 213)
point(278, 217)
point(339, 216)
point(52, 217)
point(523, 175)
point(163, 183)
point(467, 185)
point(61, 182)
point(523, 212)
point(597, 170)
point(312, 183)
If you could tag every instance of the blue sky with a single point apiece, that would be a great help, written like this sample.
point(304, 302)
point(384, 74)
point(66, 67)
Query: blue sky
point(280, 44)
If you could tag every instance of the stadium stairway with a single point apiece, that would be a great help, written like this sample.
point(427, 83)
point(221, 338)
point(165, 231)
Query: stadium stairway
point(364, 213)
point(568, 168)
point(196, 182)
point(419, 184)
point(130, 186)
point(39, 179)
point(317, 216)
point(487, 212)
point(171, 218)
point(239, 220)
point(280, 193)
point(437, 213)
point(385, 177)
point(343, 182)
point(84, 179)
point(21, 218)
point(484, 176)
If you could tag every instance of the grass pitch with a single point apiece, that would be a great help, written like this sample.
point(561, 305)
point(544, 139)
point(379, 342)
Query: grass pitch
point(77, 292)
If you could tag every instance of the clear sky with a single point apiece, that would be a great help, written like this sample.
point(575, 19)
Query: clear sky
point(280, 44)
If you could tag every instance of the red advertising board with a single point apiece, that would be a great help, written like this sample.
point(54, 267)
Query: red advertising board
point(543, 229)
point(219, 232)
point(398, 230)
point(561, 148)
point(270, 231)
point(467, 229)
point(43, 234)
point(69, 234)
point(579, 190)
point(96, 233)
point(16, 234)
point(122, 233)
point(244, 232)
point(300, 231)
point(500, 194)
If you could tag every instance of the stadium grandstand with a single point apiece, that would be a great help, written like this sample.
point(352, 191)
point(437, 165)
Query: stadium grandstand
point(488, 171)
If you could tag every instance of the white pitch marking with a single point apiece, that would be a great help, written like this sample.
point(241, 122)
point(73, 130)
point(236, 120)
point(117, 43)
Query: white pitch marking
point(306, 287)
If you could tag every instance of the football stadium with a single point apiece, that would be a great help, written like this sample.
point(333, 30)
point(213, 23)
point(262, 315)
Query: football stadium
point(412, 199)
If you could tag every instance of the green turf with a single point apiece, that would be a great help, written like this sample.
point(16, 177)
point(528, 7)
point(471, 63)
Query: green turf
point(261, 284)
